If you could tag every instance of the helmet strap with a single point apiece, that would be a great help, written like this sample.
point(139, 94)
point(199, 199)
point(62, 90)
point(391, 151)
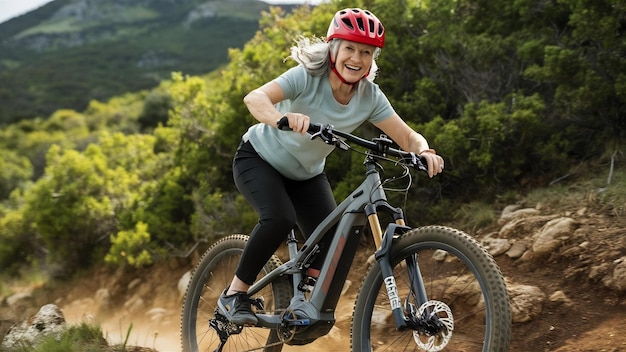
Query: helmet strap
point(333, 68)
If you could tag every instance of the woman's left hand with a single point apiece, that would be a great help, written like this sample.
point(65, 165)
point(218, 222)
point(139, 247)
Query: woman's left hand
point(434, 162)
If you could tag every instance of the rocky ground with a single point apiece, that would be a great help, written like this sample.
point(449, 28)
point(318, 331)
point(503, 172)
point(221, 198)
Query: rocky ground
point(565, 267)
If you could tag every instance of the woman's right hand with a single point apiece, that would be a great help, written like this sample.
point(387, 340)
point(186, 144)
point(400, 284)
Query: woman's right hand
point(298, 122)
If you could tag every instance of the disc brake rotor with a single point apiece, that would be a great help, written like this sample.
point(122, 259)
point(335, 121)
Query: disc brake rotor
point(437, 314)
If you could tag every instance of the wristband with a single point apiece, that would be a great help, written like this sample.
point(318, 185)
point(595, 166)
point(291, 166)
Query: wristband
point(427, 151)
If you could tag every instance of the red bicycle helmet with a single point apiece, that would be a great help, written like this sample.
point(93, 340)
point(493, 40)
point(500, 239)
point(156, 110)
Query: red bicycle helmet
point(357, 25)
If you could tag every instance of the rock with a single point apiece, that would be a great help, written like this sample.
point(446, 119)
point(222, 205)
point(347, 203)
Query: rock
point(526, 302)
point(523, 226)
point(48, 321)
point(617, 278)
point(509, 209)
point(517, 249)
point(560, 297)
point(440, 255)
point(516, 214)
point(496, 246)
point(551, 235)
point(597, 272)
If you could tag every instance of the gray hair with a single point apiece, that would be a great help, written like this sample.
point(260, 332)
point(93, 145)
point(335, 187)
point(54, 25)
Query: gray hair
point(313, 54)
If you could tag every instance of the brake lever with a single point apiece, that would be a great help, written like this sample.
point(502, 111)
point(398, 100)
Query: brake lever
point(416, 162)
point(420, 165)
point(325, 134)
point(319, 134)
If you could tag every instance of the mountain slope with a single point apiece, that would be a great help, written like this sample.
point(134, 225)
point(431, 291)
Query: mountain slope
point(72, 51)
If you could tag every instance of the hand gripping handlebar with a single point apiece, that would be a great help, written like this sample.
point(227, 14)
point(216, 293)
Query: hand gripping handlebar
point(380, 146)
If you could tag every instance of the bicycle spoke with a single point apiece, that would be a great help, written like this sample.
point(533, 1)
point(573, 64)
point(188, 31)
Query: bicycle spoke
point(463, 311)
point(201, 327)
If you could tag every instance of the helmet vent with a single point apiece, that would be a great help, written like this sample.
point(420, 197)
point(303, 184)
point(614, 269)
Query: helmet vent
point(359, 22)
point(348, 23)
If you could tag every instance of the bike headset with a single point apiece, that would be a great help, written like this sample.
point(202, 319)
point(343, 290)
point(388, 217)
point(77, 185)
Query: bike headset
point(355, 25)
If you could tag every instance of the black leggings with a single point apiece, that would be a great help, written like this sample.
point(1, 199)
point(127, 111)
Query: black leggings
point(281, 204)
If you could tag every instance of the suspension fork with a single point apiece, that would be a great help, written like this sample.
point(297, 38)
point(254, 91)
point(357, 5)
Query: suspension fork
point(383, 257)
point(372, 217)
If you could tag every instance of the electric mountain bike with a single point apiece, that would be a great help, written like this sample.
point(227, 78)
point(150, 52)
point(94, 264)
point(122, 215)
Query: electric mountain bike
point(430, 288)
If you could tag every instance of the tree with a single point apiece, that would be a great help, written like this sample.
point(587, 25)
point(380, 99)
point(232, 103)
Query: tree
point(15, 170)
point(585, 67)
point(70, 208)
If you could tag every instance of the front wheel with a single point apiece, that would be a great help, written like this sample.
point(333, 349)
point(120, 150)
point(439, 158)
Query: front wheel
point(464, 287)
point(202, 329)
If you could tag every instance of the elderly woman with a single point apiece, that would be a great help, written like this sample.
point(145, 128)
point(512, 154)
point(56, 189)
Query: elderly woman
point(281, 173)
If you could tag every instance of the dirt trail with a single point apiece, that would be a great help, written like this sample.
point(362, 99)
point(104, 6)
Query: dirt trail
point(162, 332)
point(594, 320)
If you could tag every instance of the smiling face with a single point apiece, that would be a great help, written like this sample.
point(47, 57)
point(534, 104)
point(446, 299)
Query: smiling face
point(354, 60)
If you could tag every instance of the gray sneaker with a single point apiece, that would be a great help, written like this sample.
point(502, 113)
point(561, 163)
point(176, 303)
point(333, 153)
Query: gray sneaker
point(237, 308)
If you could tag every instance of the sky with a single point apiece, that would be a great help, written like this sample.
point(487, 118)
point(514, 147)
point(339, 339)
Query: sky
point(13, 8)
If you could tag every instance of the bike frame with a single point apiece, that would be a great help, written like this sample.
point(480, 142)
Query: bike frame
point(350, 218)
point(428, 323)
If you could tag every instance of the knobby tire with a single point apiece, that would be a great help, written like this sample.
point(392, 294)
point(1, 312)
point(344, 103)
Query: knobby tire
point(211, 276)
point(457, 271)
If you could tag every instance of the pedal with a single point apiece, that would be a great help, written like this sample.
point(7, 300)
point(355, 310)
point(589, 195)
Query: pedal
point(258, 303)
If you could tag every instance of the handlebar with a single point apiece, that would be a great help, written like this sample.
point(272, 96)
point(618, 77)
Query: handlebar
point(378, 146)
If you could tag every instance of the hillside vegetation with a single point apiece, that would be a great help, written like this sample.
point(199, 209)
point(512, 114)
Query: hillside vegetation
point(70, 52)
point(514, 95)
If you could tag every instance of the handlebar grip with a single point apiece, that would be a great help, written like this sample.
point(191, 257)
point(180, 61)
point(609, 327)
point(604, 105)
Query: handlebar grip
point(283, 123)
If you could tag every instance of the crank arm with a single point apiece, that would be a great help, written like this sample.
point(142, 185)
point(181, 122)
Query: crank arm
point(272, 321)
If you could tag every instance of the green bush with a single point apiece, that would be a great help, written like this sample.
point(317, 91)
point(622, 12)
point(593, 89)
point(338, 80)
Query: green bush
point(15, 170)
point(80, 338)
point(17, 242)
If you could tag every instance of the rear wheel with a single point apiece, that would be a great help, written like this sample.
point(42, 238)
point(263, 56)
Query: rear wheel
point(465, 289)
point(201, 327)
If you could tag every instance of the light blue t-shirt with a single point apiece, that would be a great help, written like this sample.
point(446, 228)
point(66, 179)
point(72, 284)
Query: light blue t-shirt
point(296, 156)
